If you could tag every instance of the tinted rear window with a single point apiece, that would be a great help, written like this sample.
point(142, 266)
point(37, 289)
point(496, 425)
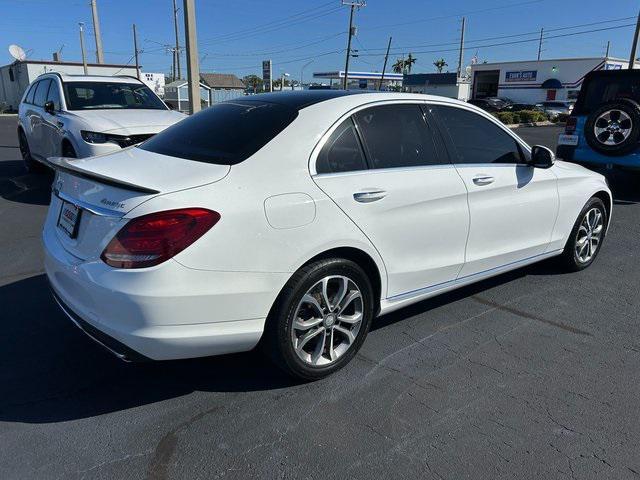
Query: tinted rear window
point(225, 134)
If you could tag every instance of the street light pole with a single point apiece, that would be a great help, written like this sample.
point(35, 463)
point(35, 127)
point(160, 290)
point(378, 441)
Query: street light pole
point(177, 54)
point(193, 65)
point(84, 55)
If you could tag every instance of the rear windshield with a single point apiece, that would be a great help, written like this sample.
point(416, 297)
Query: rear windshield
point(606, 88)
point(110, 96)
point(225, 134)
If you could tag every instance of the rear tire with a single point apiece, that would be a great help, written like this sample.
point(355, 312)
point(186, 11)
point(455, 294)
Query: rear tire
point(320, 319)
point(587, 235)
point(31, 165)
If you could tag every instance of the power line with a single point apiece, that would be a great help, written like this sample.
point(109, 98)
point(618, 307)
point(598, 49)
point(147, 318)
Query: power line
point(500, 37)
point(456, 15)
point(515, 42)
point(303, 17)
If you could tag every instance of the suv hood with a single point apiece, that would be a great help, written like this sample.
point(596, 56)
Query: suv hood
point(128, 122)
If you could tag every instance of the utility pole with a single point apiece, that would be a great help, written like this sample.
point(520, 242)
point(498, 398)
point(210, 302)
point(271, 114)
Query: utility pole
point(353, 4)
point(606, 54)
point(193, 66)
point(461, 47)
point(634, 46)
point(177, 52)
point(135, 50)
point(84, 55)
point(540, 43)
point(384, 67)
point(96, 32)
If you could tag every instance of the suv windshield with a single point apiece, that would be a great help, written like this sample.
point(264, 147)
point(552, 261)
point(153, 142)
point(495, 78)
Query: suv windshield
point(107, 95)
point(225, 134)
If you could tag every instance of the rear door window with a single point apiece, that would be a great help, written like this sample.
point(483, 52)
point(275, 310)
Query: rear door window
point(477, 139)
point(397, 136)
point(342, 152)
point(606, 88)
point(225, 134)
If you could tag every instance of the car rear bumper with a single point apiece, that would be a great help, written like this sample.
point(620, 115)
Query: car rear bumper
point(164, 312)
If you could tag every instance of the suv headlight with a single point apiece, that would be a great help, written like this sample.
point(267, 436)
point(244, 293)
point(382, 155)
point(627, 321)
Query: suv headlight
point(93, 137)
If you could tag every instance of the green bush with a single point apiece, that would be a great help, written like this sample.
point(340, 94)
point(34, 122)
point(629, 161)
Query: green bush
point(504, 117)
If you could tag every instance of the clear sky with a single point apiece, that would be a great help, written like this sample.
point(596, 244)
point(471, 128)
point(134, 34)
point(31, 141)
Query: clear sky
point(236, 35)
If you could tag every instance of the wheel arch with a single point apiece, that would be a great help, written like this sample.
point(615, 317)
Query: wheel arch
point(608, 203)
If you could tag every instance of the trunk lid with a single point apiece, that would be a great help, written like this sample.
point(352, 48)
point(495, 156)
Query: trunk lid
point(106, 188)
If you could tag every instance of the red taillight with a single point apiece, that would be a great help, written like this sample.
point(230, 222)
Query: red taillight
point(151, 239)
point(570, 127)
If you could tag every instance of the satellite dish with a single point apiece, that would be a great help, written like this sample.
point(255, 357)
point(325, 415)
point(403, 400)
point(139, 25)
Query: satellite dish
point(17, 52)
point(468, 69)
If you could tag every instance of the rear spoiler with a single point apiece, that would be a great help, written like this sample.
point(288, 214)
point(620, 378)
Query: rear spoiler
point(68, 165)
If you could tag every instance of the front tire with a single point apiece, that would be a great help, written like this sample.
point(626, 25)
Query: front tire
point(586, 237)
point(30, 164)
point(320, 319)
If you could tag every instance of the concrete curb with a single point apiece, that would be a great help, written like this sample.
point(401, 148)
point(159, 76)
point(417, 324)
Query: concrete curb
point(536, 124)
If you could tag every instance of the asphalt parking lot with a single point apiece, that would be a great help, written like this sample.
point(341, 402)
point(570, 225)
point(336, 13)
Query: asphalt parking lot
point(533, 374)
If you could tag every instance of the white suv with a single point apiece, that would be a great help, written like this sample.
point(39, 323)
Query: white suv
point(81, 116)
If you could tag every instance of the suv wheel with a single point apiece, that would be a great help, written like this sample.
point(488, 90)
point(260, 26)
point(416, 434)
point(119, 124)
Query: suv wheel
point(586, 237)
point(614, 128)
point(320, 320)
point(32, 166)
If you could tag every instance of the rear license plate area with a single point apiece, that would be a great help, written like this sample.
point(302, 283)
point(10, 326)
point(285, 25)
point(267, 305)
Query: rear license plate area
point(69, 219)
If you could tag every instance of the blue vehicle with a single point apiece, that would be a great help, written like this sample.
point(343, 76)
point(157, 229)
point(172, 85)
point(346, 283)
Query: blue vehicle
point(604, 126)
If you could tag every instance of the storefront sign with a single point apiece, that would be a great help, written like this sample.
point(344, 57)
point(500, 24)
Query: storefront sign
point(521, 76)
point(266, 75)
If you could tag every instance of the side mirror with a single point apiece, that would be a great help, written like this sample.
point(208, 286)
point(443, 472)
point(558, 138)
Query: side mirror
point(50, 108)
point(542, 157)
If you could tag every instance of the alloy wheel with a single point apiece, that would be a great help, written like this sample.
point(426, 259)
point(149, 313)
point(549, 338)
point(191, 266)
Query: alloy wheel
point(613, 127)
point(589, 235)
point(327, 320)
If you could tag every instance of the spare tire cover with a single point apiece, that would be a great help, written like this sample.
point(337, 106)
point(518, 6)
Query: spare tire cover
point(614, 127)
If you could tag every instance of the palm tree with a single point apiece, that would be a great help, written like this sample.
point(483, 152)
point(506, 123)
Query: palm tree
point(398, 67)
point(440, 64)
point(408, 63)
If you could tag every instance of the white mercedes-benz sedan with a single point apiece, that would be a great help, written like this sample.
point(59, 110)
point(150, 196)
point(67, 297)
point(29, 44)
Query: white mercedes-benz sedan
point(291, 220)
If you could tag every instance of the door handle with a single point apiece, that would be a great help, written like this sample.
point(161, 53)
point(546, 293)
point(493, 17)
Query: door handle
point(483, 180)
point(369, 196)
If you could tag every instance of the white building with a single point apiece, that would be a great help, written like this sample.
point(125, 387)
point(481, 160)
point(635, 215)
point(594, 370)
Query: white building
point(443, 84)
point(176, 95)
point(537, 80)
point(15, 77)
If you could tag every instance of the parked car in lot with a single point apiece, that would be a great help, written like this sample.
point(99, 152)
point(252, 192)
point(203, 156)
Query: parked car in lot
point(491, 104)
point(556, 108)
point(604, 127)
point(519, 107)
point(291, 220)
point(81, 116)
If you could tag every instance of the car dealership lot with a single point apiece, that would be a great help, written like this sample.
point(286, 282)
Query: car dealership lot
point(533, 374)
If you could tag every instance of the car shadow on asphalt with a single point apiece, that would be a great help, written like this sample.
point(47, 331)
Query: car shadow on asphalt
point(16, 185)
point(51, 372)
